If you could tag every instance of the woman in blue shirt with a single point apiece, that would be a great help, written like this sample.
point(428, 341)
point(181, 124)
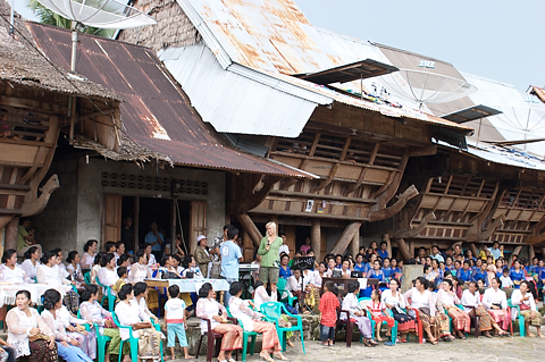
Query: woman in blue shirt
point(376, 273)
point(284, 270)
point(516, 274)
point(360, 265)
point(464, 274)
point(387, 269)
point(369, 266)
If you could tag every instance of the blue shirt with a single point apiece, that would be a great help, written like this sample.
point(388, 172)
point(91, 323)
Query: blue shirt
point(284, 273)
point(479, 274)
point(388, 272)
point(359, 268)
point(464, 275)
point(151, 238)
point(230, 253)
point(516, 276)
point(376, 275)
point(382, 253)
point(496, 253)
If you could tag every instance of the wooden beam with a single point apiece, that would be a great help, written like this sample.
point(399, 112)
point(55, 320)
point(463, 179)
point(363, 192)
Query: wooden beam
point(315, 238)
point(322, 197)
point(403, 248)
point(416, 230)
point(249, 226)
point(395, 208)
point(309, 215)
point(484, 235)
point(355, 244)
point(516, 251)
point(346, 238)
point(249, 202)
point(4, 220)
point(474, 250)
point(36, 206)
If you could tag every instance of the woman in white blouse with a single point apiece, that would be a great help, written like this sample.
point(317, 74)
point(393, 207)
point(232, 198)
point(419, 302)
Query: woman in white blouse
point(49, 274)
point(395, 301)
point(25, 322)
point(461, 322)
point(209, 309)
point(32, 260)
point(140, 270)
point(10, 271)
point(107, 275)
point(93, 312)
point(528, 309)
point(357, 313)
point(471, 302)
point(251, 321)
point(74, 267)
point(261, 296)
point(423, 301)
point(495, 301)
point(90, 248)
point(68, 348)
point(129, 314)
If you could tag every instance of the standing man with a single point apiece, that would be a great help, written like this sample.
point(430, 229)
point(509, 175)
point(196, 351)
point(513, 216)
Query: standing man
point(201, 255)
point(284, 248)
point(270, 259)
point(214, 250)
point(127, 235)
point(495, 250)
point(156, 240)
point(231, 256)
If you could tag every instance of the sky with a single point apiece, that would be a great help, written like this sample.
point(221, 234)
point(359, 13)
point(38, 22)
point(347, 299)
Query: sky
point(500, 40)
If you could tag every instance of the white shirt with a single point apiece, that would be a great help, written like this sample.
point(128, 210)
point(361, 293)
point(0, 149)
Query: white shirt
point(75, 273)
point(175, 308)
point(506, 282)
point(93, 312)
point(240, 310)
point(470, 301)
point(30, 269)
point(494, 297)
point(108, 278)
point(19, 326)
point(128, 314)
point(293, 284)
point(152, 260)
point(397, 301)
point(284, 249)
point(419, 300)
point(144, 310)
point(51, 276)
point(87, 261)
point(207, 308)
point(516, 299)
point(15, 276)
point(261, 296)
point(447, 299)
point(350, 304)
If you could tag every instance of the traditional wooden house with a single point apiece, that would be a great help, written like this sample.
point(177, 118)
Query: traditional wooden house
point(37, 101)
point(269, 81)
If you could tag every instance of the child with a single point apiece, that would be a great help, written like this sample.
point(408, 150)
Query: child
point(506, 281)
point(122, 274)
point(377, 308)
point(328, 313)
point(175, 318)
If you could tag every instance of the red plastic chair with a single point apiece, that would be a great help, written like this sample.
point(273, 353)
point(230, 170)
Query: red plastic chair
point(348, 324)
point(212, 338)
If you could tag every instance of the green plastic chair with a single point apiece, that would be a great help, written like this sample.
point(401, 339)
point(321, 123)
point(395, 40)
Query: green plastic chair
point(245, 336)
point(281, 286)
point(393, 338)
point(87, 278)
point(109, 295)
point(133, 341)
point(272, 312)
point(522, 326)
point(101, 339)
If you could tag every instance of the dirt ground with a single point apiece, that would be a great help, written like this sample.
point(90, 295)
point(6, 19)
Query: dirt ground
point(506, 349)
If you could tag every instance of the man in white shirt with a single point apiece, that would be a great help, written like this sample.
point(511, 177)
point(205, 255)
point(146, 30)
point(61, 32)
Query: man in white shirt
point(284, 247)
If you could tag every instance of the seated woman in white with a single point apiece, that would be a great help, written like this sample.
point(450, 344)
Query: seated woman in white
point(107, 275)
point(139, 270)
point(252, 323)
point(74, 267)
point(495, 301)
point(49, 273)
point(190, 265)
point(32, 260)
point(10, 271)
point(528, 309)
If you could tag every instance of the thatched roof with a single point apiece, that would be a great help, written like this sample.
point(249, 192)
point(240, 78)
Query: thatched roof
point(21, 63)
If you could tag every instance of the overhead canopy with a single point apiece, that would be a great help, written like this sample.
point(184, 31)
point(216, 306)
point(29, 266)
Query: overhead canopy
point(347, 73)
point(471, 113)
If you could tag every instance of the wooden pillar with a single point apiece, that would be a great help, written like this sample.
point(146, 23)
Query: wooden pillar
point(404, 249)
point(531, 253)
point(543, 252)
point(516, 251)
point(474, 249)
point(172, 245)
point(250, 228)
point(315, 238)
point(355, 244)
point(11, 234)
point(346, 238)
point(411, 249)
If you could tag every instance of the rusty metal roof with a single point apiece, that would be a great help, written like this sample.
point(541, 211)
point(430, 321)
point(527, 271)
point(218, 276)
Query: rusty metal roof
point(157, 114)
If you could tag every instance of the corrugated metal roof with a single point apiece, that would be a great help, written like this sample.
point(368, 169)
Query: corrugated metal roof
point(157, 114)
point(271, 37)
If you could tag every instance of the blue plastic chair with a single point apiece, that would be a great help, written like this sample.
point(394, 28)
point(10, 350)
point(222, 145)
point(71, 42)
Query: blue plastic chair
point(245, 335)
point(109, 295)
point(87, 278)
point(101, 339)
point(272, 312)
point(281, 287)
point(133, 341)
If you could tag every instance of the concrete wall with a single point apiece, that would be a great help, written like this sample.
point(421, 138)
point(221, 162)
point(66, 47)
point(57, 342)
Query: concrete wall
point(74, 213)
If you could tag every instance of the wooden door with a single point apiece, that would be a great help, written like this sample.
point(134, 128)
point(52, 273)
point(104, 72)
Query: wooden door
point(112, 218)
point(197, 223)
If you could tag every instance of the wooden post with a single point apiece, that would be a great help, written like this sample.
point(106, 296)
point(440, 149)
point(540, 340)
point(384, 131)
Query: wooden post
point(531, 253)
point(405, 251)
point(516, 251)
point(315, 238)
point(174, 215)
point(11, 234)
point(355, 244)
point(474, 250)
point(346, 238)
point(411, 249)
point(250, 228)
